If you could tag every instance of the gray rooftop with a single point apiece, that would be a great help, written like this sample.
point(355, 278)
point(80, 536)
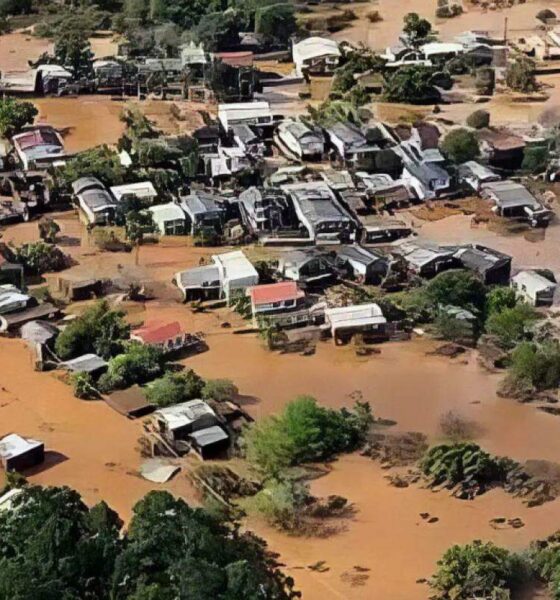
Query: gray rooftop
point(85, 183)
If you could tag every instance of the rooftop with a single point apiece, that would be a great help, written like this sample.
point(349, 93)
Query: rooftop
point(156, 332)
point(275, 292)
point(14, 445)
point(185, 413)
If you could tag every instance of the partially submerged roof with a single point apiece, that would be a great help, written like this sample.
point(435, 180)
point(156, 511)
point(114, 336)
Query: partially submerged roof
point(38, 332)
point(14, 445)
point(158, 332)
point(300, 130)
point(87, 363)
point(422, 253)
point(185, 413)
point(275, 292)
point(315, 47)
point(167, 212)
point(97, 199)
point(200, 202)
point(481, 172)
point(532, 282)
point(131, 402)
point(510, 194)
point(208, 436)
point(83, 183)
point(359, 254)
point(501, 140)
point(481, 258)
point(360, 315)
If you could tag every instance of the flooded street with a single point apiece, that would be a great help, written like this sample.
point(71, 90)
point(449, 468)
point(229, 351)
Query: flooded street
point(385, 538)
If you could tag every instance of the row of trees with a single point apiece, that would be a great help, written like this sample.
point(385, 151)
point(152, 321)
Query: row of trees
point(53, 546)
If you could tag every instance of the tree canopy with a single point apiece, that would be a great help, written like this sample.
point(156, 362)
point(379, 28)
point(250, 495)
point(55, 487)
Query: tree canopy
point(413, 84)
point(15, 115)
point(460, 145)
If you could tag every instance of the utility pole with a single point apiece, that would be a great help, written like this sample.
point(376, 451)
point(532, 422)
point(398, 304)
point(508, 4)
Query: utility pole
point(505, 29)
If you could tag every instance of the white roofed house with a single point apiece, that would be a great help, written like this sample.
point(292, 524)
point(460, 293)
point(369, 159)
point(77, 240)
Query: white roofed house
point(94, 201)
point(320, 213)
point(168, 218)
point(18, 453)
point(12, 299)
point(245, 113)
point(230, 273)
point(367, 319)
point(534, 288)
point(476, 175)
point(142, 190)
point(427, 180)
point(300, 139)
point(315, 56)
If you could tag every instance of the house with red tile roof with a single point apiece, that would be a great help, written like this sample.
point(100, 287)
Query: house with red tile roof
point(168, 336)
point(275, 299)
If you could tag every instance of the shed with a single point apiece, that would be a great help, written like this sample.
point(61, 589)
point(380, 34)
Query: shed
point(210, 441)
point(180, 420)
point(39, 332)
point(18, 453)
point(534, 288)
point(365, 265)
point(142, 190)
point(131, 403)
point(491, 266)
point(315, 56)
point(12, 321)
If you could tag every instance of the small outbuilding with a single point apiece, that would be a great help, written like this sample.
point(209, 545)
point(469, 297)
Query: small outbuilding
point(315, 56)
point(18, 453)
point(345, 321)
point(168, 218)
point(534, 288)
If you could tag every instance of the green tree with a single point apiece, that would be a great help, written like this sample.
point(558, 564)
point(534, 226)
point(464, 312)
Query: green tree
point(137, 364)
point(416, 28)
point(520, 75)
point(101, 162)
point(15, 7)
point(218, 30)
point(38, 258)
point(15, 115)
point(510, 324)
point(535, 366)
point(457, 288)
point(460, 145)
point(73, 51)
point(276, 22)
point(219, 390)
point(535, 159)
point(478, 570)
point(98, 330)
point(500, 298)
point(413, 84)
point(174, 388)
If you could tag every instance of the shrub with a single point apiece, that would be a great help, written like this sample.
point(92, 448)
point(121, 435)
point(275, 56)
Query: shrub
point(138, 364)
point(412, 84)
point(535, 159)
point(38, 258)
point(510, 324)
point(457, 288)
point(374, 16)
point(15, 115)
point(478, 570)
point(455, 427)
point(479, 119)
point(99, 330)
point(220, 390)
point(520, 75)
point(535, 366)
point(500, 298)
point(305, 432)
point(464, 464)
point(174, 388)
point(485, 81)
point(460, 145)
point(82, 384)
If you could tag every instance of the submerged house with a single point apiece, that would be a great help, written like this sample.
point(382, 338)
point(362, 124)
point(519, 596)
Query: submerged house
point(278, 303)
point(514, 200)
point(265, 209)
point(491, 266)
point(169, 337)
point(96, 204)
point(192, 424)
point(426, 259)
point(427, 180)
point(142, 190)
point(366, 319)
point(351, 145)
point(39, 147)
point(168, 218)
point(309, 266)
point(315, 56)
point(475, 175)
point(18, 453)
point(13, 300)
point(300, 139)
point(230, 273)
point(257, 114)
point(501, 148)
point(534, 288)
point(203, 210)
point(363, 265)
point(248, 139)
point(320, 213)
point(383, 190)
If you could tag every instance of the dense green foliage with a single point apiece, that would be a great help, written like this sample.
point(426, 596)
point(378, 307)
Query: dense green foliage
point(509, 325)
point(460, 145)
point(219, 390)
point(534, 366)
point(53, 547)
point(38, 258)
point(545, 560)
point(304, 432)
point(478, 570)
point(500, 298)
point(73, 51)
point(535, 159)
point(98, 330)
point(15, 115)
point(173, 388)
point(416, 28)
point(137, 364)
point(100, 162)
point(457, 288)
point(479, 119)
point(464, 464)
point(520, 75)
point(412, 84)
point(276, 22)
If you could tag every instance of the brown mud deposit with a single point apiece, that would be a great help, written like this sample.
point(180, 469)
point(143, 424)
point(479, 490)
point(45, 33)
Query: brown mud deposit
point(403, 383)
